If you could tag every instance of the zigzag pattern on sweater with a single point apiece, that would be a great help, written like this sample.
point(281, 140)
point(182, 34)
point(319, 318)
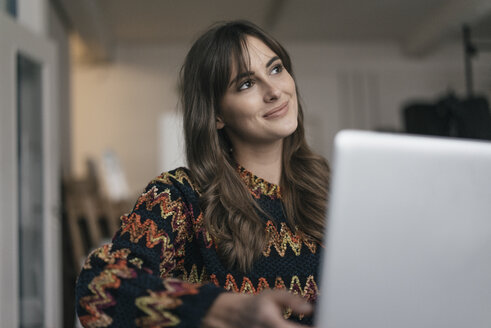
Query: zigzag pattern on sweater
point(165, 233)
point(193, 276)
point(153, 236)
point(258, 186)
point(157, 304)
point(183, 221)
point(100, 297)
point(175, 209)
point(104, 253)
point(280, 240)
point(309, 291)
point(137, 230)
point(199, 229)
point(180, 175)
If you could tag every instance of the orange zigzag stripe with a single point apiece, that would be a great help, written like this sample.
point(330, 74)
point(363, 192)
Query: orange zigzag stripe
point(309, 291)
point(169, 208)
point(100, 298)
point(199, 228)
point(152, 198)
point(105, 254)
point(183, 220)
point(258, 186)
point(286, 237)
point(137, 230)
point(153, 236)
point(180, 175)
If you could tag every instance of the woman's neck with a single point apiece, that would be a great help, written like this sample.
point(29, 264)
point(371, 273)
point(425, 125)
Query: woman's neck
point(263, 161)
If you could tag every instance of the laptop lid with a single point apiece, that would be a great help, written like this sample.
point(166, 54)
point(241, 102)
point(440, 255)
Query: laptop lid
point(408, 242)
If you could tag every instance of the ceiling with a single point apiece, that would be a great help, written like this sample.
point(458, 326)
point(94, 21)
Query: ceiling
point(417, 25)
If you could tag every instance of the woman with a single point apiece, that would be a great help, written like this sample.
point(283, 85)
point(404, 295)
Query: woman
point(196, 233)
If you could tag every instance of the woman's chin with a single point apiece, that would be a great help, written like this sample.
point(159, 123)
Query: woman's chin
point(289, 128)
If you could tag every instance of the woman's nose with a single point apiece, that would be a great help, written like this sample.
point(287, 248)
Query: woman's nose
point(272, 92)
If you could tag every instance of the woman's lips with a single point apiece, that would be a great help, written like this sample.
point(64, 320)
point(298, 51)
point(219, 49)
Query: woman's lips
point(277, 111)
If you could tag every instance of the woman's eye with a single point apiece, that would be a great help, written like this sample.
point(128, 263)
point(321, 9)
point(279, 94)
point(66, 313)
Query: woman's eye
point(245, 85)
point(277, 69)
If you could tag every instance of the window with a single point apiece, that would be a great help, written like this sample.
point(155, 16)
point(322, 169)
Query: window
point(30, 188)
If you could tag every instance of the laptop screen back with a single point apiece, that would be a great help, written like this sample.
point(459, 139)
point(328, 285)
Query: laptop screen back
point(408, 242)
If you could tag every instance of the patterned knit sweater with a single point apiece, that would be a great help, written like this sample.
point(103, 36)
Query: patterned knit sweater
point(162, 268)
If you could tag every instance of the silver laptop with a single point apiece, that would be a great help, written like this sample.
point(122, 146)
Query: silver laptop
point(408, 242)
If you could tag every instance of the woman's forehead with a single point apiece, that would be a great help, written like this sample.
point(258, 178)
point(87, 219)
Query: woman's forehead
point(258, 47)
point(252, 49)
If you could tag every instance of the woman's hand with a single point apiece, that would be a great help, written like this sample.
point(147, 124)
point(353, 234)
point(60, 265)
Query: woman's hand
point(247, 311)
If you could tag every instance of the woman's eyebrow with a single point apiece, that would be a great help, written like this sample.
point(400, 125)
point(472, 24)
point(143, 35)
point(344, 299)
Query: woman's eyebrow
point(272, 60)
point(240, 76)
point(250, 73)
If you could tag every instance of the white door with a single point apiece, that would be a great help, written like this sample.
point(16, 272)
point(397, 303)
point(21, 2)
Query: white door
point(30, 260)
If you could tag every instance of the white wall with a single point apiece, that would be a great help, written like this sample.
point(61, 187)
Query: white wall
point(118, 105)
point(342, 85)
point(34, 15)
point(364, 86)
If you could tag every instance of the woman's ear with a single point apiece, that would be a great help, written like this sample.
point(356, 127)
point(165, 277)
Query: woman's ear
point(220, 123)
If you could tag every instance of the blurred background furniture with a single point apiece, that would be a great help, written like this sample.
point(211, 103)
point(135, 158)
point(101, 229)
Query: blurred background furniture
point(90, 220)
point(450, 116)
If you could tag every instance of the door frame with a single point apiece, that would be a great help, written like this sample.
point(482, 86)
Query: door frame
point(14, 39)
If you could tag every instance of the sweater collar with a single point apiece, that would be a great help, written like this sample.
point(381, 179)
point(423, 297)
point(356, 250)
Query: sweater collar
point(258, 186)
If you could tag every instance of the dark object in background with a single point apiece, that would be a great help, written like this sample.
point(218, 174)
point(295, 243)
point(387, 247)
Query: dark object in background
point(450, 116)
point(473, 119)
point(427, 119)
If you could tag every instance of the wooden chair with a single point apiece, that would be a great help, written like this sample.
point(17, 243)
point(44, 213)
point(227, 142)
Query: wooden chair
point(92, 219)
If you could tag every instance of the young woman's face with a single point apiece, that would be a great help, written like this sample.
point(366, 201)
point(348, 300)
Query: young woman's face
point(259, 106)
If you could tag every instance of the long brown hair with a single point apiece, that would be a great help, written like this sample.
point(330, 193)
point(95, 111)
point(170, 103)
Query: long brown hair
point(231, 215)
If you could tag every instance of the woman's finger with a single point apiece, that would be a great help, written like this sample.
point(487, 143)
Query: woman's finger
point(295, 302)
point(277, 321)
